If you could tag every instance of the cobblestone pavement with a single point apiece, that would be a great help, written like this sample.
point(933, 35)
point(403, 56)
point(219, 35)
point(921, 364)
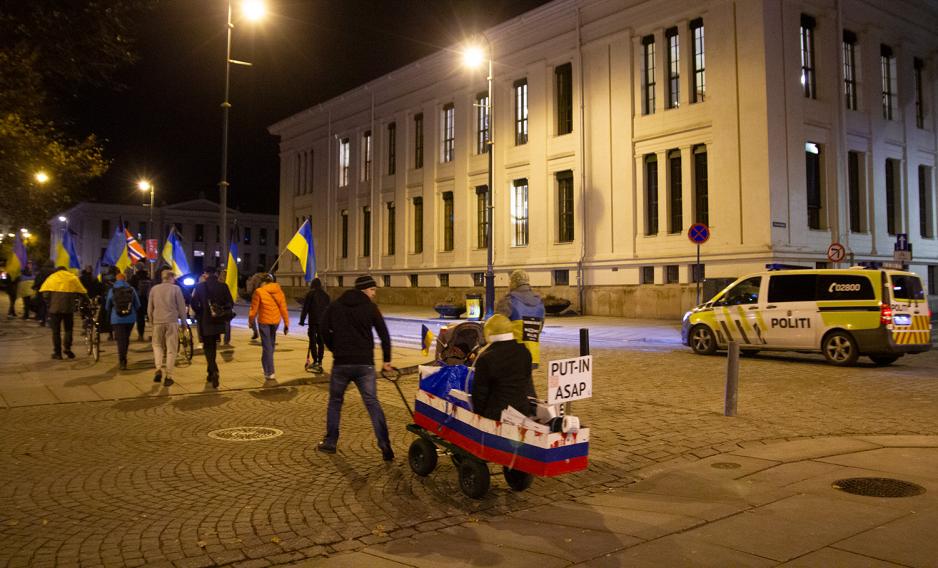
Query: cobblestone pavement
point(139, 481)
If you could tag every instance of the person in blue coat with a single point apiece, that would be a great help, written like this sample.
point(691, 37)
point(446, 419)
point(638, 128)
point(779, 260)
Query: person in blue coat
point(122, 304)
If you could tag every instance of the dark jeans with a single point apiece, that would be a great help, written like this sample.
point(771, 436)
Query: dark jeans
point(42, 312)
point(141, 319)
point(317, 347)
point(227, 333)
point(268, 343)
point(12, 295)
point(57, 321)
point(210, 347)
point(122, 335)
point(364, 378)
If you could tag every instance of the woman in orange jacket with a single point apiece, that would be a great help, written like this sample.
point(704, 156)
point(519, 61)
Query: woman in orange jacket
point(268, 307)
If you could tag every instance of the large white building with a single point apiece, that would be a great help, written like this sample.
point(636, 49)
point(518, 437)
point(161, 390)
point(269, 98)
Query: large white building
point(196, 221)
point(785, 126)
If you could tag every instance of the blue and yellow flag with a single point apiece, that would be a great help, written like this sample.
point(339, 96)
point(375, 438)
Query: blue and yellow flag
point(302, 246)
point(231, 269)
point(65, 253)
point(426, 339)
point(174, 255)
point(17, 262)
point(115, 247)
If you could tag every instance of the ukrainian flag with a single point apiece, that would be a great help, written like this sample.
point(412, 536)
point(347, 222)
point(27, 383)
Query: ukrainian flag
point(66, 255)
point(302, 246)
point(16, 263)
point(231, 270)
point(426, 339)
point(174, 255)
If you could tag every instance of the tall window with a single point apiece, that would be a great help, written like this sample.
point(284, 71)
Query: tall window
point(247, 235)
point(448, 225)
point(199, 233)
point(812, 158)
point(675, 214)
point(448, 149)
point(392, 228)
point(392, 148)
point(701, 186)
point(651, 194)
point(482, 123)
point(262, 237)
point(418, 140)
point(926, 203)
point(918, 67)
point(521, 111)
point(850, 69)
point(482, 216)
point(366, 156)
point(674, 67)
point(366, 231)
point(648, 74)
point(345, 233)
point(808, 80)
point(888, 68)
point(893, 197)
point(418, 225)
point(519, 212)
point(698, 62)
point(105, 228)
point(855, 191)
point(565, 206)
point(563, 89)
point(343, 162)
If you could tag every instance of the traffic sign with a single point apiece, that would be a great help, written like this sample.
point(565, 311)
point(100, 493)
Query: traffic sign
point(902, 255)
point(698, 233)
point(902, 242)
point(836, 252)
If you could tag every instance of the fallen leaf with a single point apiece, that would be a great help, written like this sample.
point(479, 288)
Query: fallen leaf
point(201, 544)
point(275, 539)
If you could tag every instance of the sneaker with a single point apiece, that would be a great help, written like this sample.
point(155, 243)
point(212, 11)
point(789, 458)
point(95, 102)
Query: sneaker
point(317, 368)
point(215, 381)
point(325, 448)
point(168, 381)
point(123, 365)
point(271, 377)
point(388, 455)
point(57, 356)
point(158, 376)
point(69, 354)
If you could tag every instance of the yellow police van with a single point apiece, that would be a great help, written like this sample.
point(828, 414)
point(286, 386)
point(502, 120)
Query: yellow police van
point(880, 313)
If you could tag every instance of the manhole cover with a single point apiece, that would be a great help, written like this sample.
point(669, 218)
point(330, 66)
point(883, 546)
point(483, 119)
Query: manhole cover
point(878, 487)
point(725, 465)
point(245, 433)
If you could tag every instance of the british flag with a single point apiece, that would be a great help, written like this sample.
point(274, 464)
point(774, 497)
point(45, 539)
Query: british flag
point(134, 249)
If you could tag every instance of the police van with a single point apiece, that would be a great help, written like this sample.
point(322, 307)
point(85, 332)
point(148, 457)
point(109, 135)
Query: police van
point(843, 314)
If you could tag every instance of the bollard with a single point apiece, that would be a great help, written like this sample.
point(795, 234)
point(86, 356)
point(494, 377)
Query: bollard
point(732, 379)
point(584, 350)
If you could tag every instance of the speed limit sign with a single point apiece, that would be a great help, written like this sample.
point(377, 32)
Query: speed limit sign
point(836, 252)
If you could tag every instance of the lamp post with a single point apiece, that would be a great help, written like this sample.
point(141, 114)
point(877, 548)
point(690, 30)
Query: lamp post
point(145, 185)
point(253, 10)
point(474, 57)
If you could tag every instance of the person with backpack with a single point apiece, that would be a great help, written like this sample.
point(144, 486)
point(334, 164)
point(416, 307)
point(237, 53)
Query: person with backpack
point(122, 304)
point(213, 307)
point(314, 306)
point(142, 283)
point(268, 307)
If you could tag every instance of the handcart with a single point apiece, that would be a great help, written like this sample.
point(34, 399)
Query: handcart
point(473, 441)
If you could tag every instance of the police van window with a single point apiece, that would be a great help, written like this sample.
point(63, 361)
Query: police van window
point(833, 287)
point(792, 288)
point(907, 288)
point(746, 292)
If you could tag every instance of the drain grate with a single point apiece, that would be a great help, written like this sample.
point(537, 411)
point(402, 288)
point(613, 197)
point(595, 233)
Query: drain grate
point(878, 487)
point(725, 465)
point(245, 433)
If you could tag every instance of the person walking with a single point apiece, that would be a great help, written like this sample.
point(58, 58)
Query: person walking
point(211, 303)
point(61, 290)
point(314, 306)
point(166, 309)
point(42, 274)
point(252, 284)
point(268, 308)
point(142, 283)
point(525, 309)
point(10, 285)
point(346, 328)
point(122, 304)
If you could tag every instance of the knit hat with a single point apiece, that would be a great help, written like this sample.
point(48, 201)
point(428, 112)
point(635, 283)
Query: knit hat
point(518, 278)
point(365, 282)
point(498, 328)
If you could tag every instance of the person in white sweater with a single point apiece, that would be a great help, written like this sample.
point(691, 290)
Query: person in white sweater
point(166, 308)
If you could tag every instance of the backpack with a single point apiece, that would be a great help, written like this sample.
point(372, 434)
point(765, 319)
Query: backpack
point(123, 300)
point(220, 311)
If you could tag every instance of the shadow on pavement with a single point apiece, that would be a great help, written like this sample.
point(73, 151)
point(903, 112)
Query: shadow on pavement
point(107, 374)
point(145, 402)
point(276, 394)
point(190, 403)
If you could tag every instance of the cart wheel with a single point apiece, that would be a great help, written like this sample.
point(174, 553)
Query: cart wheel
point(473, 478)
point(457, 460)
point(517, 480)
point(422, 456)
point(96, 344)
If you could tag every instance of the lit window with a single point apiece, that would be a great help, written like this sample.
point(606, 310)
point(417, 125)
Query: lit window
point(850, 69)
point(343, 162)
point(673, 67)
point(519, 212)
point(698, 62)
point(648, 74)
point(521, 112)
point(808, 80)
point(448, 149)
point(888, 67)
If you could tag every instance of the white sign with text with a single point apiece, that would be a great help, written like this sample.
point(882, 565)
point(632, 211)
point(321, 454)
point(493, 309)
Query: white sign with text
point(569, 379)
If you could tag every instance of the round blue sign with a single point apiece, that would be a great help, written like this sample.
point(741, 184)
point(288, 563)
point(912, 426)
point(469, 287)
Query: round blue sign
point(698, 233)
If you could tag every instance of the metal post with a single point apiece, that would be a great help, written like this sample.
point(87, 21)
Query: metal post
point(697, 273)
point(732, 379)
point(490, 221)
point(151, 234)
point(223, 184)
point(584, 351)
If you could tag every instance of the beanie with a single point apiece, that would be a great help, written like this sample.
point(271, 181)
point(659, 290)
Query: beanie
point(498, 328)
point(517, 279)
point(365, 282)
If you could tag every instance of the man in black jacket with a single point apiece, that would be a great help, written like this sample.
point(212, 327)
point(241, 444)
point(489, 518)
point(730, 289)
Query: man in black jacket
point(346, 329)
point(314, 306)
point(207, 293)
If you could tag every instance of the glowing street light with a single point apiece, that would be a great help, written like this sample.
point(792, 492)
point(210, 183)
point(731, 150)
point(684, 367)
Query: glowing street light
point(145, 185)
point(63, 218)
point(253, 10)
point(41, 177)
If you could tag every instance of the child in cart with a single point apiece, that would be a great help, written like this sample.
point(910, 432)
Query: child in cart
point(502, 373)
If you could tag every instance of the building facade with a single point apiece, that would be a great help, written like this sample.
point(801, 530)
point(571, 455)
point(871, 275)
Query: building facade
point(785, 126)
point(196, 221)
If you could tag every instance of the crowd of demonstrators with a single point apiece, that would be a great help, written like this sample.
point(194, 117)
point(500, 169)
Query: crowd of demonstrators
point(314, 306)
point(212, 304)
point(122, 305)
point(61, 291)
point(166, 309)
point(268, 309)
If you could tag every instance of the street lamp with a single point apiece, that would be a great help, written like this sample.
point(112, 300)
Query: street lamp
point(145, 185)
point(474, 56)
point(41, 177)
point(252, 10)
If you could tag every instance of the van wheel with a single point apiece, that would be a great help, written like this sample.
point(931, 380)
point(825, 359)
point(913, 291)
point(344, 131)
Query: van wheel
point(884, 359)
point(702, 340)
point(840, 349)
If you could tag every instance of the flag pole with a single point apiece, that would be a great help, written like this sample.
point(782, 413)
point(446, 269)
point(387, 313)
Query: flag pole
point(271, 270)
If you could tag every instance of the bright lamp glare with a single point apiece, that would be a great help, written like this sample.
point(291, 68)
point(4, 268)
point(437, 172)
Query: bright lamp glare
point(41, 176)
point(188, 281)
point(253, 10)
point(473, 56)
point(144, 185)
point(62, 218)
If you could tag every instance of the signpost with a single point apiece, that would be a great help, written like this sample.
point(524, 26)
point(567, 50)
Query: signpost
point(569, 379)
point(698, 233)
point(902, 250)
point(151, 250)
point(836, 252)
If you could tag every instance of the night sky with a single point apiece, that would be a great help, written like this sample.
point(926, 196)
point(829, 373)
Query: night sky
point(166, 123)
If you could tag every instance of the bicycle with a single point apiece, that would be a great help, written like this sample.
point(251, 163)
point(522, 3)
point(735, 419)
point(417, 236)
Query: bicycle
point(186, 344)
point(91, 330)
